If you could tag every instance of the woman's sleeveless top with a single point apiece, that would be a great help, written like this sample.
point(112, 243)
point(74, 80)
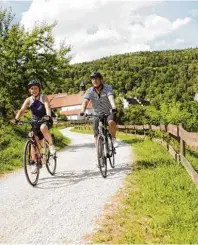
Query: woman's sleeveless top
point(37, 108)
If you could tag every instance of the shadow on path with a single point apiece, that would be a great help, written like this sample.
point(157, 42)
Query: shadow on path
point(76, 147)
point(68, 178)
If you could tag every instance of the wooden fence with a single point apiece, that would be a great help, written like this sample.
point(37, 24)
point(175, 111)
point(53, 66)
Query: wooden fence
point(182, 136)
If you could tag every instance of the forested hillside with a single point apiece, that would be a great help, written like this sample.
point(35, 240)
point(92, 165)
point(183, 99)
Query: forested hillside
point(158, 76)
point(169, 79)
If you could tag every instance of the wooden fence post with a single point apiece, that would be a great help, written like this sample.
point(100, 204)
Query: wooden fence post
point(182, 145)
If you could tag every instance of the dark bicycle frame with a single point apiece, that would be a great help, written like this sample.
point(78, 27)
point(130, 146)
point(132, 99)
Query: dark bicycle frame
point(104, 133)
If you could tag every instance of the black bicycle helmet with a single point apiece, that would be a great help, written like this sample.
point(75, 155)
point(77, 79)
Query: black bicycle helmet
point(96, 74)
point(34, 82)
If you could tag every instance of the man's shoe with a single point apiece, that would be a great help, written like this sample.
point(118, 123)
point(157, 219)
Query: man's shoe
point(52, 149)
point(115, 143)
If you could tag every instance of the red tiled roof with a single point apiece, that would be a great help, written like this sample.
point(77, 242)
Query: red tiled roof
point(70, 112)
point(63, 100)
point(56, 101)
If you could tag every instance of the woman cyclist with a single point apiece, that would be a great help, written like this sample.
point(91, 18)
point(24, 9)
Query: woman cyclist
point(40, 109)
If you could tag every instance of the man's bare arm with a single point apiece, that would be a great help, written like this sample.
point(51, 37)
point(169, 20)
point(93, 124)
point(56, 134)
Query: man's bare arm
point(112, 101)
point(84, 105)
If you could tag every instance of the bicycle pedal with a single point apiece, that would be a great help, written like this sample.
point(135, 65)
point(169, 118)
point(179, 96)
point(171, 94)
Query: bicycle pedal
point(31, 162)
point(39, 165)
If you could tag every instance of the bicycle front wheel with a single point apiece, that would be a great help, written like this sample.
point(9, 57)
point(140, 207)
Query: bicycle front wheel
point(111, 149)
point(53, 139)
point(51, 161)
point(28, 163)
point(102, 160)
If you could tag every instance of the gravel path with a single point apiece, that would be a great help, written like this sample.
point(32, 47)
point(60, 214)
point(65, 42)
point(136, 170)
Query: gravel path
point(62, 208)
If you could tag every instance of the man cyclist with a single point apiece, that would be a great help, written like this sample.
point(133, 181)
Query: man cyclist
point(40, 109)
point(102, 97)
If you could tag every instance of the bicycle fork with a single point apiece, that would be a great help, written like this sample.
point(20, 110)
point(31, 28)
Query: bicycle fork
point(106, 147)
point(44, 153)
point(104, 142)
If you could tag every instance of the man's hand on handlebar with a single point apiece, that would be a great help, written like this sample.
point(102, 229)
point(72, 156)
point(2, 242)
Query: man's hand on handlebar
point(114, 111)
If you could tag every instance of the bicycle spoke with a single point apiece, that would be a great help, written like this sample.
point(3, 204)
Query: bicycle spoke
point(31, 177)
point(51, 162)
point(102, 161)
point(111, 156)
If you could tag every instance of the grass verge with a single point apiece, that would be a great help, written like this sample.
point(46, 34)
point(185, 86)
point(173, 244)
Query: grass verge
point(158, 204)
point(12, 141)
point(85, 131)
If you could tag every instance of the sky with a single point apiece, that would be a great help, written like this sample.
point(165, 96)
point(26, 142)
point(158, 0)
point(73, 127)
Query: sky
point(100, 28)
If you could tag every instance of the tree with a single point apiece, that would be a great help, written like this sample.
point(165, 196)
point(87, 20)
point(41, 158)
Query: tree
point(25, 55)
point(120, 111)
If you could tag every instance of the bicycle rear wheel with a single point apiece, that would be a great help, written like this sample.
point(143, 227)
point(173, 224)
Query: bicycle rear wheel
point(51, 161)
point(111, 156)
point(102, 160)
point(28, 161)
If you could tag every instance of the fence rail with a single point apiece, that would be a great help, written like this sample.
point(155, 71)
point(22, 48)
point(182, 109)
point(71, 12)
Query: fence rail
point(190, 139)
point(183, 137)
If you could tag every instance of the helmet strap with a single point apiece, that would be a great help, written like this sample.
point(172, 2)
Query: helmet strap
point(36, 98)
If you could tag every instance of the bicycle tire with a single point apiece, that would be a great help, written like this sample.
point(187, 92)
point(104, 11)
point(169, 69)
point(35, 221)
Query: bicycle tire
point(53, 139)
point(27, 164)
point(51, 162)
point(102, 160)
point(111, 149)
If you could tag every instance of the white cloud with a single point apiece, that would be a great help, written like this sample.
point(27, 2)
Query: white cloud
point(98, 28)
point(173, 44)
point(193, 12)
point(179, 40)
point(180, 22)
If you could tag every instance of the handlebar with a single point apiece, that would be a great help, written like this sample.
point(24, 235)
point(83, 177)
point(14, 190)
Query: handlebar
point(32, 122)
point(100, 115)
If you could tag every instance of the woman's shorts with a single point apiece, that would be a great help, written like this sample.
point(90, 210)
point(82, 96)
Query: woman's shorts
point(37, 131)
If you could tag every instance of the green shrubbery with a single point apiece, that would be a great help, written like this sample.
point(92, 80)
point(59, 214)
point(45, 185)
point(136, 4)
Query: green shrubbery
point(174, 113)
point(12, 140)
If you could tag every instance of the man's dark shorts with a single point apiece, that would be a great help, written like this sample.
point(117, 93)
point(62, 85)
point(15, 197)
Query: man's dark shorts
point(111, 117)
point(37, 131)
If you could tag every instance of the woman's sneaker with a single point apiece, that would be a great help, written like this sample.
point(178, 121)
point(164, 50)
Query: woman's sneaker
point(34, 169)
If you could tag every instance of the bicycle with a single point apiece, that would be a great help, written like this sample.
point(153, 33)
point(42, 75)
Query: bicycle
point(40, 153)
point(105, 147)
